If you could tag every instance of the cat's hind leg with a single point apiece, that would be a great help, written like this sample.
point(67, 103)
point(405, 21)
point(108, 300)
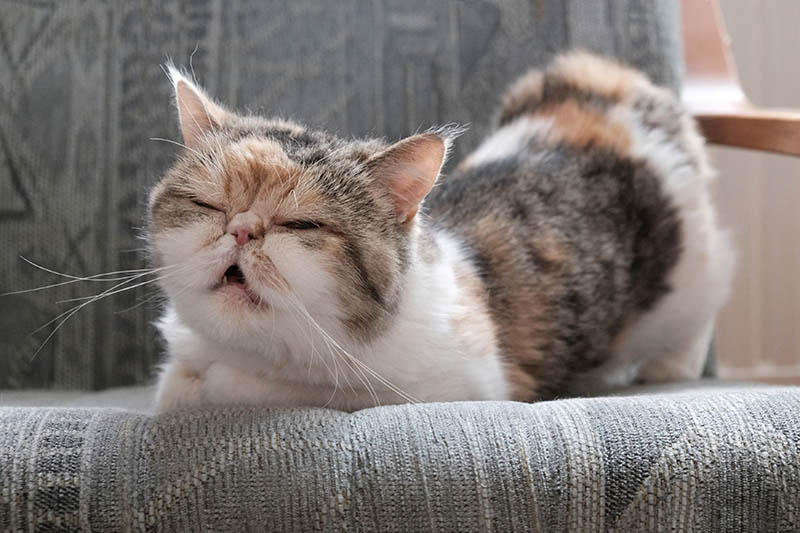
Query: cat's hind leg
point(682, 364)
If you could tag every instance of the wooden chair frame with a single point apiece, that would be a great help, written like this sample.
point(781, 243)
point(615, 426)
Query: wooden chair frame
point(712, 91)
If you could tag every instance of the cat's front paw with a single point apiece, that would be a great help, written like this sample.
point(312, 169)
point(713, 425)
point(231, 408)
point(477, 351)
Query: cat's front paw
point(227, 385)
point(180, 385)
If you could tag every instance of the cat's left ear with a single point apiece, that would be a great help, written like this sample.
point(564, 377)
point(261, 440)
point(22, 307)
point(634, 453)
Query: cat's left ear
point(409, 169)
point(197, 112)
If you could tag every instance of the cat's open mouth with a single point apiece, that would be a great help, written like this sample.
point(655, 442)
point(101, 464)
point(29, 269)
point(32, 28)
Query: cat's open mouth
point(234, 276)
point(234, 279)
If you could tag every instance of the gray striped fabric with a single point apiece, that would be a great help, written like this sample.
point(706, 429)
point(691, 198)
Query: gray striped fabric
point(691, 461)
point(82, 92)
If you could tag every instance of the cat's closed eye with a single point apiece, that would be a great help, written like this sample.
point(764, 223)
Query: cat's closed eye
point(205, 205)
point(301, 224)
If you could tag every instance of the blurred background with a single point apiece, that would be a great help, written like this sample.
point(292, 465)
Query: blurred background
point(758, 332)
point(81, 93)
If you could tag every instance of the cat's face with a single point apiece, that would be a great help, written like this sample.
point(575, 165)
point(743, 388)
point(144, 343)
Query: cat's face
point(263, 219)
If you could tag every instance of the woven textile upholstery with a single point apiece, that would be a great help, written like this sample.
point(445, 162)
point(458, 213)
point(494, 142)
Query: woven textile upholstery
point(691, 461)
point(82, 91)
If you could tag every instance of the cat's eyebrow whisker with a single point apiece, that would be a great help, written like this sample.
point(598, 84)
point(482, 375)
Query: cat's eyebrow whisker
point(330, 155)
point(176, 143)
point(203, 157)
point(214, 131)
point(221, 151)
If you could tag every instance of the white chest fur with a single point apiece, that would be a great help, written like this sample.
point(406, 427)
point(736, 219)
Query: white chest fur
point(438, 348)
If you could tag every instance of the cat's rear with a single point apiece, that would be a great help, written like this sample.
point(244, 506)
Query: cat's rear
point(576, 249)
point(588, 215)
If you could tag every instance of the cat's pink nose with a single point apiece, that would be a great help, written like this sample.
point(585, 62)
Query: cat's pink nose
point(246, 227)
point(244, 233)
point(243, 236)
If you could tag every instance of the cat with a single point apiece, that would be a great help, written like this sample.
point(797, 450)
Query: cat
point(574, 251)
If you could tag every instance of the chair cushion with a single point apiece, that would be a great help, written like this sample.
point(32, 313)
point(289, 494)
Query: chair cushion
point(718, 458)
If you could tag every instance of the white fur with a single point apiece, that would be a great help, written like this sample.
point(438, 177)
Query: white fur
point(281, 358)
point(509, 140)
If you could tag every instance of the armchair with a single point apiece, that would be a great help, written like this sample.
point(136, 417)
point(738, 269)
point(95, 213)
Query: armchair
point(81, 92)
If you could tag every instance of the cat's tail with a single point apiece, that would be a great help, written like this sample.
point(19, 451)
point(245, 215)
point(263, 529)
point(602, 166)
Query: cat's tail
point(586, 101)
point(578, 76)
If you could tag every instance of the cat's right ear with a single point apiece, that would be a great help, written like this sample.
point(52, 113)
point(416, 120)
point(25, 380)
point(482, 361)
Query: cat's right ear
point(198, 113)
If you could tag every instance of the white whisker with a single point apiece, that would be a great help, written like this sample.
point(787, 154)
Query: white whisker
point(363, 366)
point(335, 375)
point(77, 279)
point(140, 284)
point(119, 287)
point(83, 278)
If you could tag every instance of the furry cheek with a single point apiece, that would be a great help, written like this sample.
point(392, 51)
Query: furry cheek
point(191, 256)
point(307, 280)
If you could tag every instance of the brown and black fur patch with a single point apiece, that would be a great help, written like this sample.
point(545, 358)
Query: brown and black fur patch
point(576, 77)
point(572, 236)
point(568, 249)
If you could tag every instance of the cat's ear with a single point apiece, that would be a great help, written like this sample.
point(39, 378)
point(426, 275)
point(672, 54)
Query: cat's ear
point(198, 114)
point(409, 169)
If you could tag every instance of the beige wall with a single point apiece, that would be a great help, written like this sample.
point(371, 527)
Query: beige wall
point(759, 197)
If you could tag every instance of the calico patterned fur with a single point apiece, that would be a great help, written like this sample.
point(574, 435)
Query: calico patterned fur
point(575, 250)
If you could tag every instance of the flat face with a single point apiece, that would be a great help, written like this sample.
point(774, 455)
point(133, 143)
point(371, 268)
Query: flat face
point(264, 218)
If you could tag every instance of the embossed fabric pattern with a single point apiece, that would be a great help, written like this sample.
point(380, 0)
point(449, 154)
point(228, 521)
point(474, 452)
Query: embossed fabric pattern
point(82, 93)
point(697, 461)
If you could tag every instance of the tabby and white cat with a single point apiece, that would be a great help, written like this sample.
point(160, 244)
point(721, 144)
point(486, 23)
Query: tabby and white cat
point(575, 250)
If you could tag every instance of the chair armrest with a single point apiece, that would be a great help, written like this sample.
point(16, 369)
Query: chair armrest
point(712, 91)
point(747, 126)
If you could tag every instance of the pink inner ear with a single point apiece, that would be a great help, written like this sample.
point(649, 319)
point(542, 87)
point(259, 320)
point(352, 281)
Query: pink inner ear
point(410, 169)
point(198, 114)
